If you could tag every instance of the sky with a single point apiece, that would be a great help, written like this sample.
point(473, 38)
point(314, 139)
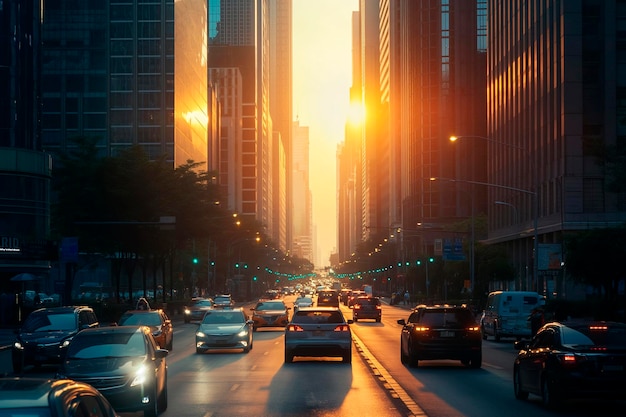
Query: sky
point(322, 75)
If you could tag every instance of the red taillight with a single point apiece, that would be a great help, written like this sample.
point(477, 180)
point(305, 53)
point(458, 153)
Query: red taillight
point(598, 327)
point(342, 328)
point(473, 329)
point(379, 307)
point(357, 306)
point(294, 328)
point(421, 329)
point(569, 359)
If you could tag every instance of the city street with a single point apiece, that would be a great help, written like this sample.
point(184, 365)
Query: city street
point(375, 384)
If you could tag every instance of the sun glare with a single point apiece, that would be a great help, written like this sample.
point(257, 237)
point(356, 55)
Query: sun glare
point(356, 114)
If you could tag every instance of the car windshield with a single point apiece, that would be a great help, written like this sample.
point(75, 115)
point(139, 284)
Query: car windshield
point(304, 300)
point(596, 335)
point(317, 317)
point(223, 317)
point(146, 319)
point(89, 345)
point(203, 303)
point(222, 300)
point(443, 318)
point(47, 322)
point(368, 301)
point(270, 305)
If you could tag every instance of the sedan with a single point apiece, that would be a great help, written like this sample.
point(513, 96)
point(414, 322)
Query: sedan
point(196, 309)
point(577, 359)
point(224, 329)
point(159, 323)
point(302, 302)
point(318, 332)
point(44, 397)
point(367, 308)
point(270, 313)
point(223, 301)
point(124, 364)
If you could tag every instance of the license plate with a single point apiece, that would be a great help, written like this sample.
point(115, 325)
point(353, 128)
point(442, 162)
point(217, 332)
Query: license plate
point(613, 368)
point(446, 334)
point(318, 333)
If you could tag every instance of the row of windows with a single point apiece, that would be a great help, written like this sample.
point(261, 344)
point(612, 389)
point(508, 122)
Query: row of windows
point(144, 47)
point(124, 30)
point(146, 65)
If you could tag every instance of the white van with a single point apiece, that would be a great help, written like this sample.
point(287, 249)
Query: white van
point(507, 312)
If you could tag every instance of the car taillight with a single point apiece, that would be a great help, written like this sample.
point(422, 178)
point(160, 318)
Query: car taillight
point(421, 329)
point(294, 328)
point(342, 328)
point(357, 306)
point(569, 359)
point(474, 328)
point(379, 307)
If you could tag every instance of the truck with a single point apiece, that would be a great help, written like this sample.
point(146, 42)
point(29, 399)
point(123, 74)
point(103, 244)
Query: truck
point(507, 314)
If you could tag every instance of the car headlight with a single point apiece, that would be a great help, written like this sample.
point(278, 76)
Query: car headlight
point(18, 345)
point(66, 343)
point(242, 332)
point(187, 311)
point(200, 334)
point(140, 376)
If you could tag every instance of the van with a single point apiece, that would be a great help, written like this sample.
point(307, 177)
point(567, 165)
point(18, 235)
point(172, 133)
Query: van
point(507, 312)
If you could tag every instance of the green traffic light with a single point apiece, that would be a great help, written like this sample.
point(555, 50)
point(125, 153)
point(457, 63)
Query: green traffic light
point(195, 260)
point(431, 259)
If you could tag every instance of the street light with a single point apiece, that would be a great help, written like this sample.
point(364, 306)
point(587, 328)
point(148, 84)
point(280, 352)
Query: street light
point(534, 193)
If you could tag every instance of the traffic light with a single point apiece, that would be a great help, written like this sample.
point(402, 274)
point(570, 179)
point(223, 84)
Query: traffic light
point(431, 259)
point(195, 260)
point(418, 262)
point(237, 265)
point(254, 278)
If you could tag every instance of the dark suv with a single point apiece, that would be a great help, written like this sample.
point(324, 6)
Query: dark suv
point(328, 298)
point(367, 308)
point(46, 333)
point(441, 332)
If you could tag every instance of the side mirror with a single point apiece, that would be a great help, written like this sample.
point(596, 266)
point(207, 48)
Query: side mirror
point(520, 345)
point(350, 321)
point(402, 322)
point(161, 353)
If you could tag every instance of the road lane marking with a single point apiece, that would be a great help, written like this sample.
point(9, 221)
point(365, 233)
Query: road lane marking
point(395, 390)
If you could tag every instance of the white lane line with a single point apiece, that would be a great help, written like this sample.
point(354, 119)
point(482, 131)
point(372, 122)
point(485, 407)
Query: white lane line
point(390, 384)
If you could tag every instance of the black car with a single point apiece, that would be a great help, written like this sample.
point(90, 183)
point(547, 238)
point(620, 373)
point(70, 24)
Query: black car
point(124, 364)
point(574, 359)
point(367, 308)
point(328, 298)
point(46, 334)
point(41, 397)
point(441, 332)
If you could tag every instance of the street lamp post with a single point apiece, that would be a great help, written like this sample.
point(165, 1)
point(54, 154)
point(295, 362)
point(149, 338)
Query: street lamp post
point(535, 195)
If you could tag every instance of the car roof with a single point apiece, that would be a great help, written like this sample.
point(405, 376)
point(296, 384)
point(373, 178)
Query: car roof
point(32, 391)
point(115, 329)
point(304, 309)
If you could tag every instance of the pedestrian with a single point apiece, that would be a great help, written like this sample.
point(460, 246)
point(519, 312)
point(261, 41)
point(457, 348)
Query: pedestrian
point(536, 319)
point(407, 297)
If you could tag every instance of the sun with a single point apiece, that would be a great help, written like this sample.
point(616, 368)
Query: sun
point(356, 113)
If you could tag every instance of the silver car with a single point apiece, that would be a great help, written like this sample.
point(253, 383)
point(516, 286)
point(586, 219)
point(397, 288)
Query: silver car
point(224, 329)
point(318, 332)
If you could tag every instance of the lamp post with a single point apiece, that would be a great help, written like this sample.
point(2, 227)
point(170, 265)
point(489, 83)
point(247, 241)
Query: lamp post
point(520, 190)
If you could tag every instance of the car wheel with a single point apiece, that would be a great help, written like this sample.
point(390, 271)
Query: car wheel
point(152, 410)
point(378, 320)
point(520, 394)
point(482, 329)
point(355, 319)
point(288, 357)
point(403, 358)
point(550, 396)
point(496, 335)
point(198, 350)
point(162, 401)
point(246, 349)
point(412, 356)
point(170, 345)
point(476, 361)
point(347, 357)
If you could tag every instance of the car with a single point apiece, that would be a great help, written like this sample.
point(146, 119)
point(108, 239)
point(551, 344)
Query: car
point(302, 302)
point(46, 397)
point(441, 332)
point(122, 362)
point(223, 301)
point(270, 313)
point(354, 295)
point(572, 359)
point(158, 321)
point(344, 294)
point(318, 332)
point(328, 298)
point(196, 309)
point(224, 329)
point(367, 308)
point(46, 333)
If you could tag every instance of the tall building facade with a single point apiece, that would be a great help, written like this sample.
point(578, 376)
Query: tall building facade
point(302, 201)
point(25, 169)
point(126, 73)
point(555, 97)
